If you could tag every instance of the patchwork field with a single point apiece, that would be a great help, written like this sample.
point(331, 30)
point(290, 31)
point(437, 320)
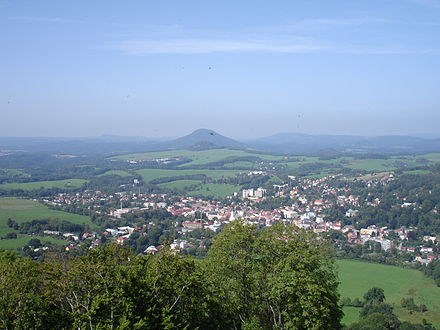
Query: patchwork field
point(205, 157)
point(70, 183)
point(197, 157)
point(22, 210)
point(357, 277)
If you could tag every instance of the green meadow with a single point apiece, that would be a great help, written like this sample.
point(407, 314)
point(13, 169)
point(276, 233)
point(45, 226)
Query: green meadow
point(198, 157)
point(215, 190)
point(416, 172)
point(357, 277)
point(150, 174)
point(22, 210)
point(64, 184)
point(18, 243)
point(179, 184)
point(433, 157)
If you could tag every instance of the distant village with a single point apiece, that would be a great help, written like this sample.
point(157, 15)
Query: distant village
point(303, 211)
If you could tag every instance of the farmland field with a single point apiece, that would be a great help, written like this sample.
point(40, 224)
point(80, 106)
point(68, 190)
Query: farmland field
point(434, 157)
point(216, 190)
point(197, 157)
point(243, 164)
point(416, 172)
point(151, 174)
point(178, 184)
point(22, 210)
point(18, 243)
point(209, 189)
point(70, 183)
point(357, 277)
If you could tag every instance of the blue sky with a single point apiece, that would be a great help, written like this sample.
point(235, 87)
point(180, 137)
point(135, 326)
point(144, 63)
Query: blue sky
point(243, 68)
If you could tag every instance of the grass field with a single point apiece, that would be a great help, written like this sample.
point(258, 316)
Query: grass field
point(116, 172)
point(18, 243)
point(71, 183)
point(357, 277)
point(243, 164)
point(151, 174)
point(22, 210)
point(216, 190)
point(197, 157)
point(417, 172)
point(434, 157)
point(371, 165)
point(179, 184)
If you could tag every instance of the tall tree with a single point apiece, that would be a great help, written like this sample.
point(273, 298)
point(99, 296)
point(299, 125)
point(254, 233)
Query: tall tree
point(281, 277)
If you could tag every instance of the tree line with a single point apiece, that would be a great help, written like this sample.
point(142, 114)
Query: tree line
point(281, 277)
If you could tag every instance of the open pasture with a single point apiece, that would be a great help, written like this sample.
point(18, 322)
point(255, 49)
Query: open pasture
point(178, 184)
point(215, 190)
point(151, 174)
point(18, 243)
point(433, 157)
point(28, 186)
point(22, 210)
point(358, 277)
point(198, 157)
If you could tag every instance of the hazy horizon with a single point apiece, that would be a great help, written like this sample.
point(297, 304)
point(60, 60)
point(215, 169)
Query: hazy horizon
point(242, 138)
point(244, 69)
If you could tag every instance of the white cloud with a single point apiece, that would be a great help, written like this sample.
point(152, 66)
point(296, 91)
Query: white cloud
point(206, 46)
point(200, 46)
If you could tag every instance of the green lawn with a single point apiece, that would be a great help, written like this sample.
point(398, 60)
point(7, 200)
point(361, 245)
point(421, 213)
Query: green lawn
point(70, 183)
point(18, 243)
point(152, 173)
point(357, 277)
point(22, 210)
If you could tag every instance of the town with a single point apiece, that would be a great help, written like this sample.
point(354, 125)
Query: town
point(306, 203)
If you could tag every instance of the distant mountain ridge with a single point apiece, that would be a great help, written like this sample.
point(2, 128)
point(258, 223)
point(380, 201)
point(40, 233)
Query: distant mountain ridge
point(203, 139)
point(204, 136)
point(306, 143)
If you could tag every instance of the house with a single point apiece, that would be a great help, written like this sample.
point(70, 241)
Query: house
point(191, 225)
point(351, 213)
point(151, 250)
point(385, 244)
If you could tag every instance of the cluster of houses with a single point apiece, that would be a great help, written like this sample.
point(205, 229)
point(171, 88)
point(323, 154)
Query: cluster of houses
point(305, 210)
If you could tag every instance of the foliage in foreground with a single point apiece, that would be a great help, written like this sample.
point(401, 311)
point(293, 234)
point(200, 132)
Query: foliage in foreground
point(378, 315)
point(277, 278)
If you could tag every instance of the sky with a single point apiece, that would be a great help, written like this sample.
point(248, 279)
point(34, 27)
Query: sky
point(245, 69)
